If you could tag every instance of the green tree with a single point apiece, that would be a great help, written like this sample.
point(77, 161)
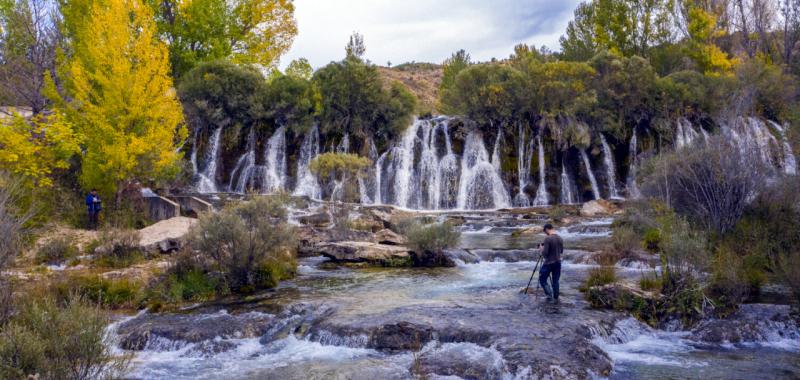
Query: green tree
point(291, 101)
point(489, 94)
point(460, 60)
point(355, 47)
point(355, 101)
point(119, 95)
point(221, 94)
point(243, 31)
point(625, 90)
point(627, 27)
point(300, 68)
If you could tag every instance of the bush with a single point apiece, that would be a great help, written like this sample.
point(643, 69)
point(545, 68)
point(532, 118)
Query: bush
point(433, 238)
point(683, 249)
point(114, 294)
point(58, 342)
point(250, 244)
point(186, 279)
point(6, 301)
point(625, 240)
point(119, 248)
point(789, 270)
point(11, 220)
point(599, 276)
point(652, 240)
point(56, 251)
point(650, 282)
point(708, 183)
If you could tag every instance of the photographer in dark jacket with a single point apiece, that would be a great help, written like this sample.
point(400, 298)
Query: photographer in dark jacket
point(551, 249)
point(93, 207)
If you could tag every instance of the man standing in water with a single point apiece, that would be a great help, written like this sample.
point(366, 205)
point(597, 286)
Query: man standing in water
point(551, 249)
point(93, 207)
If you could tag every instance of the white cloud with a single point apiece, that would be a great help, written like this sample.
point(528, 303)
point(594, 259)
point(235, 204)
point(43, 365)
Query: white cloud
point(425, 30)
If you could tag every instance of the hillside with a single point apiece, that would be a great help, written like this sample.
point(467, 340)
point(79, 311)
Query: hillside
point(422, 79)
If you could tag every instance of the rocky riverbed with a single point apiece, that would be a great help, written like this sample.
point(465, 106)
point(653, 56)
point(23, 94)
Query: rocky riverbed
point(468, 321)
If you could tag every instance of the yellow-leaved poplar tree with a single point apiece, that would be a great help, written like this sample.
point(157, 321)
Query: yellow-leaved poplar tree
point(119, 95)
point(703, 29)
point(36, 148)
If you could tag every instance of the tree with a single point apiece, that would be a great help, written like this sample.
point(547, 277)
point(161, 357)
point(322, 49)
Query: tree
point(489, 94)
point(35, 149)
point(119, 95)
point(243, 31)
point(300, 68)
point(28, 43)
point(702, 30)
point(460, 60)
point(625, 92)
point(220, 94)
point(291, 101)
point(626, 27)
point(355, 48)
point(354, 101)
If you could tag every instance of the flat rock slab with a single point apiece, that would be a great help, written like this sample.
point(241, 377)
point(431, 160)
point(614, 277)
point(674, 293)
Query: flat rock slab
point(166, 235)
point(360, 251)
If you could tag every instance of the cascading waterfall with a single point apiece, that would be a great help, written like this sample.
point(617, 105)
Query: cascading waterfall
point(344, 145)
point(418, 181)
point(524, 158)
point(496, 150)
point(789, 160)
point(207, 182)
point(266, 178)
point(633, 187)
point(307, 184)
point(542, 198)
point(611, 172)
point(684, 133)
point(590, 174)
point(481, 186)
point(566, 187)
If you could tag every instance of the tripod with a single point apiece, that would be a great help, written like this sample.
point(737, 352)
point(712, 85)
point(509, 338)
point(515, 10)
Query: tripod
point(535, 268)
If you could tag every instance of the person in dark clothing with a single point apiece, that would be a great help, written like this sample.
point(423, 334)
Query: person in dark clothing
point(551, 249)
point(93, 207)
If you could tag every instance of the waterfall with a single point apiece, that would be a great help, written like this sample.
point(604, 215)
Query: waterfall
point(307, 184)
point(367, 186)
point(524, 158)
point(611, 172)
point(266, 178)
point(633, 188)
point(496, 150)
point(542, 198)
point(207, 182)
point(480, 186)
point(403, 165)
point(684, 133)
point(344, 145)
point(789, 160)
point(566, 187)
point(592, 180)
point(378, 174)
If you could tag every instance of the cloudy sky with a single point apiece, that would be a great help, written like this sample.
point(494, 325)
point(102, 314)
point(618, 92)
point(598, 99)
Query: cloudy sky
point(425, 30)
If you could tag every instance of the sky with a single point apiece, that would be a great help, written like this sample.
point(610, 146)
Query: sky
point(399, 31)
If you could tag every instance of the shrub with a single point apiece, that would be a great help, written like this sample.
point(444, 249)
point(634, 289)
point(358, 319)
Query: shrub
point(650, 282)
point(652, 240)
point(250, 244)
point(789, 270)
point(683, 249)
point(119, 248)
point(11, 220)
point(110, 293)
point(599, 276)
point(58, 342)
point(6, 301)
point(186, 279)
point(56, 251)
point(433, 238)
point(625, 240)
point(708, 183)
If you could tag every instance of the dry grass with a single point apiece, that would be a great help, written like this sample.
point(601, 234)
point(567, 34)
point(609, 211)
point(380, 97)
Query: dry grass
point(421, 79)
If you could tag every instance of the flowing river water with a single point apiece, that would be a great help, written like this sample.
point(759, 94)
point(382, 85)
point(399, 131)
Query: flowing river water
point(468, 321)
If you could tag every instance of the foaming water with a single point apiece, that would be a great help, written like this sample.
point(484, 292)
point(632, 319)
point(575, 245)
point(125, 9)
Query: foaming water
point(246, 355)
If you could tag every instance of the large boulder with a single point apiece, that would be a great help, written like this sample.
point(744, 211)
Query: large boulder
point(366, 252)
point(165, 236)
point(320, 219)
point(597, 207)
